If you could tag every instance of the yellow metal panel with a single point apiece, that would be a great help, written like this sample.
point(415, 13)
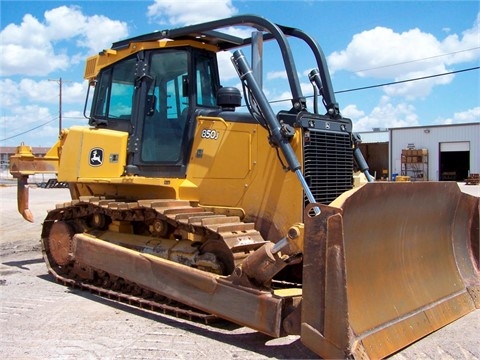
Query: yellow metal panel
point(241, 169)
point(139, 187)
point(92, 153)
point(68, 165)
point(221, 150)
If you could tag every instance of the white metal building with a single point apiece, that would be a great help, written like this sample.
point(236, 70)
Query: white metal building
point(452, 151)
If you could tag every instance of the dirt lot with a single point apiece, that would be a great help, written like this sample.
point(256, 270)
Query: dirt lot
point(40, 319)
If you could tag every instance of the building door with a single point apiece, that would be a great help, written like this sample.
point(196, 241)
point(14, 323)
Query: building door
point(454, 160)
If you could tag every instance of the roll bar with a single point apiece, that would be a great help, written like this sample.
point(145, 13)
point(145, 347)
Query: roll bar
point(209, 33)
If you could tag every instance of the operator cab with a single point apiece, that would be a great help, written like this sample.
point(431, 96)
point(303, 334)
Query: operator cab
point(152, 95)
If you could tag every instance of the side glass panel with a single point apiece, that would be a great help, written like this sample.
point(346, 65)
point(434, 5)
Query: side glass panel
point(121, 101)
point(206, 94)
point(165, 120)
point(114, 91)
point(102, 94)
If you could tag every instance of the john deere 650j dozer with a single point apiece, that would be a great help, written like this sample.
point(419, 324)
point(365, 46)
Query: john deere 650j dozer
point(251, 217)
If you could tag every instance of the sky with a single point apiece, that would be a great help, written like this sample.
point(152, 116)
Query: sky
point(367, 44)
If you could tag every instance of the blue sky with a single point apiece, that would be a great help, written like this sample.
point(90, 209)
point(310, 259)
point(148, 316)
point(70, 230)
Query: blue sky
point(366, 43)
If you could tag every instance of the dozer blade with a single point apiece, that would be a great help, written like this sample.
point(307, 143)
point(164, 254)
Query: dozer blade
point(387, 264)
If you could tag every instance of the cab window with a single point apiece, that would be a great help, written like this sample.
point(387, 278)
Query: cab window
point(206, 92)
point(114, 92)
point(167, 100)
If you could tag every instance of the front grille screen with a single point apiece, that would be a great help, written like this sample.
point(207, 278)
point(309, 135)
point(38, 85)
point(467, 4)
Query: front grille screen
point(328, 164)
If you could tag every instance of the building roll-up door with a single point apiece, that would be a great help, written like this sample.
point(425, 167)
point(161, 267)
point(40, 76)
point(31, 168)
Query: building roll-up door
point(454, 160)
point(455, 146)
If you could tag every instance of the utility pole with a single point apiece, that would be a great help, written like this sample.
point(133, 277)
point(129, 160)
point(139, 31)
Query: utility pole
point(60, 83)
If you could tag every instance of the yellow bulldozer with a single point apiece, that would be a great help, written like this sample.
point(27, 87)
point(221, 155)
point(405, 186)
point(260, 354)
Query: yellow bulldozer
point(250, 216)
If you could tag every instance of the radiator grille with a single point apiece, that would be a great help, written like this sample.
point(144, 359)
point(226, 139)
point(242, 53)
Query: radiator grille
point(328, 164)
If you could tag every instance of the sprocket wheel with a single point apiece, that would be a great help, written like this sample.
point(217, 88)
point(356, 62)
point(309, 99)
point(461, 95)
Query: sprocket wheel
point(60, 243)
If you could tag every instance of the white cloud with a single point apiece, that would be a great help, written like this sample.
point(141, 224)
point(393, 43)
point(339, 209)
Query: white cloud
point(42, 91)
point(45, 91)
point(74, 92)
point(29, 104)
point(467, 116)
point(36, 125)
point(276, 75)
point(9, 93)
point(384, 54)
point(420, 88)
point(64, 22)
point(34, 48)
point(371, 52)
point(99, 32)
point(384, 115)
point(352, 112)
point(470, 39)
point(225, 67)
point(179, 13)
point(27, 116)
point(19, 59)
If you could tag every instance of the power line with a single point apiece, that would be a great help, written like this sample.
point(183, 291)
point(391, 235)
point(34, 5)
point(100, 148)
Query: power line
point(336, 92)
point(408, 80)
point(416, 60)
point(27, 131)
point(392, 82)
point(73, 117)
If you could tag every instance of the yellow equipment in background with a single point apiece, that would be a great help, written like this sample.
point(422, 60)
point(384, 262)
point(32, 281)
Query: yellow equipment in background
point(250, 216)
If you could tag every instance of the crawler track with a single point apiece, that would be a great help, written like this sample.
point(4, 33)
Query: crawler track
point(225, 236)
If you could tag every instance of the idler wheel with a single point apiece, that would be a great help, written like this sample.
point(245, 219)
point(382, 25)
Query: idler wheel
point(223, 254)
point(60, 243)
point(99, 221)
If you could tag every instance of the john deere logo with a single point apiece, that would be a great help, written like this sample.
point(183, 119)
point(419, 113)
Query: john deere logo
point(96, 157)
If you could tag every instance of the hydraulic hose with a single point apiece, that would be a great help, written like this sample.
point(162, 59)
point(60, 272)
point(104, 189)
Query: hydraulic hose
point(245, 73)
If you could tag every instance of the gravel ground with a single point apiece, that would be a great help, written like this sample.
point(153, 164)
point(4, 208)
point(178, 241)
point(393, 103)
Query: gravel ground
point(40, 319)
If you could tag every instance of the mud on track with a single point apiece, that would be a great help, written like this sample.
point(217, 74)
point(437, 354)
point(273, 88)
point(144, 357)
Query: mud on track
point(40, 319)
